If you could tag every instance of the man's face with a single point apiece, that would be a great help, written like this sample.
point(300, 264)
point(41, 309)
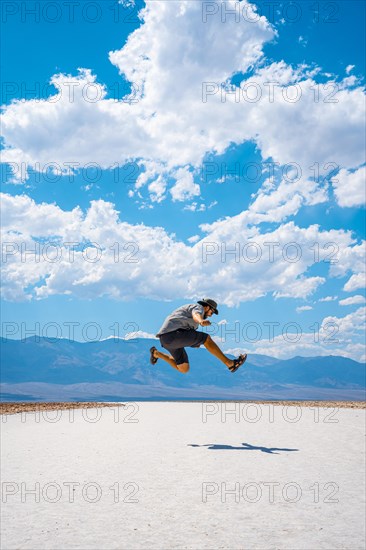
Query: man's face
point(208, 312)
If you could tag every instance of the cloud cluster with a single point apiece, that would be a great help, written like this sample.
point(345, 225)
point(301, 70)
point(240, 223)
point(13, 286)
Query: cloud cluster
point(47, 250)
point(171, 122)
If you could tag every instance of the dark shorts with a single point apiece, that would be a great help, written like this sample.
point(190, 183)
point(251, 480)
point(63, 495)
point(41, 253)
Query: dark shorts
point(176, 341)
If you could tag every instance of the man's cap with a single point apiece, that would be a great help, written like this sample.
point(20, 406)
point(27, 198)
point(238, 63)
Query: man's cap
point(209, 302)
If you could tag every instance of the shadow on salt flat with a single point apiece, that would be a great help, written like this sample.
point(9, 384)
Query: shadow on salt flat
point(244, 447)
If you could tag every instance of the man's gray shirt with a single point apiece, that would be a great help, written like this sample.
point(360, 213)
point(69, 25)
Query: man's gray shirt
point(181, 318)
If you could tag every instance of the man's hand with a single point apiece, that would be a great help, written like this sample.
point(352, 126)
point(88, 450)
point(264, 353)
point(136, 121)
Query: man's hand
point(205, 323)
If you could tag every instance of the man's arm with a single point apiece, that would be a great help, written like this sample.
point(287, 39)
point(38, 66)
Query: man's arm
point(199, 319)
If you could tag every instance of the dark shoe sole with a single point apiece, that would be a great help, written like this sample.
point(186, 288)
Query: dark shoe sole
point(153, 359)
point(238, 362)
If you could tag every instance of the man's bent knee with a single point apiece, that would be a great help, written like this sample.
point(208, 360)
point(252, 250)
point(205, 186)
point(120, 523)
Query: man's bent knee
point(208, 340)
point(183, 367)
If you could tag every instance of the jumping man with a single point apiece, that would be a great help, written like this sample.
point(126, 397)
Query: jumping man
point(179, 330)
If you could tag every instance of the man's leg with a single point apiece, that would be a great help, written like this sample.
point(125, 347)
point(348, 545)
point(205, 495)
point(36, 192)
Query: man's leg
point(213, 348)
point(182, 367)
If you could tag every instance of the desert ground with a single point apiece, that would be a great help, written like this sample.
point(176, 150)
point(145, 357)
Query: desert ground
point(183, 475)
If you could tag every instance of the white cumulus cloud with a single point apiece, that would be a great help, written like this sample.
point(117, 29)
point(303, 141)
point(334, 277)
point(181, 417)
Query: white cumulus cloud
point(352, 300)
point(356, 281)
point(350, 187)
point(184, 188)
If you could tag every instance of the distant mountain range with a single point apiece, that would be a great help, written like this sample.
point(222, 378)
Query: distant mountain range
point(112, 370)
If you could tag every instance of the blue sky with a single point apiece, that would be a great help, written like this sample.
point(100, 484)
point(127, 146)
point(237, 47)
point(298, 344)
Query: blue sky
point(173, 173)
